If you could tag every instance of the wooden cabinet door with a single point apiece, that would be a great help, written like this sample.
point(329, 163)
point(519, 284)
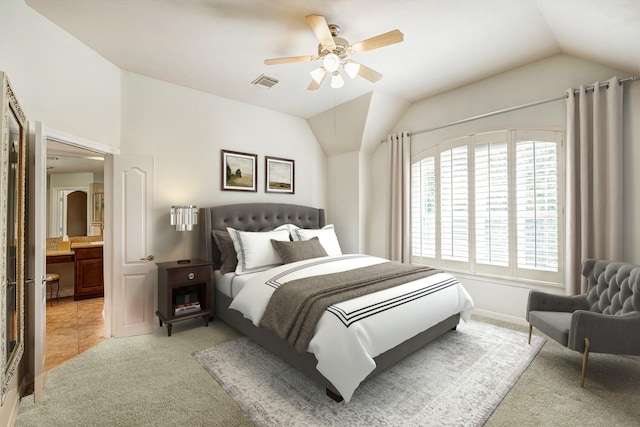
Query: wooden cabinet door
point(89, 273)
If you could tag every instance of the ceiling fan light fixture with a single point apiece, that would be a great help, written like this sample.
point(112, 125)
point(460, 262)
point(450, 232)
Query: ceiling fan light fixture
point(336, 80)
point(334, 50)
point(331, 62)
point(351, 68)
point(318, 74)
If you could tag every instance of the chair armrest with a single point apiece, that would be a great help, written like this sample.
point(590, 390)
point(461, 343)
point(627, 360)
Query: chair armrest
point(542, 301)
point(607, 333)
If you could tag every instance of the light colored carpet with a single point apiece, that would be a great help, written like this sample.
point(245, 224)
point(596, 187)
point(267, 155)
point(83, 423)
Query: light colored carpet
point(458, 379)
point(147, 380)
point(153, 380)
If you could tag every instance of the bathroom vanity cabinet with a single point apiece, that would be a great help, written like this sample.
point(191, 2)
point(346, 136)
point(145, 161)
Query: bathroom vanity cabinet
point(89, 278)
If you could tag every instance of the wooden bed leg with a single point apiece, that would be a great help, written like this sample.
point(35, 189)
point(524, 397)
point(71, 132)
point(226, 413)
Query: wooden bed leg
point(585, 358)
point(530, 329)
point(335, 396)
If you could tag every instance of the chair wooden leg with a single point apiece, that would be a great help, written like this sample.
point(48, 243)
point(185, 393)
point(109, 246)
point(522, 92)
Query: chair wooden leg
point(585, 358)
point(530, 329)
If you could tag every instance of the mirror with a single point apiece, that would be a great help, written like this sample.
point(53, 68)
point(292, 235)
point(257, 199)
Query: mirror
point(73, 170)
point(12, 173)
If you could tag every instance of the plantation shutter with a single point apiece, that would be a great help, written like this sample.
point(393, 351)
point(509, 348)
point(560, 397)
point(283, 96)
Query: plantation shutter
point(454, 204)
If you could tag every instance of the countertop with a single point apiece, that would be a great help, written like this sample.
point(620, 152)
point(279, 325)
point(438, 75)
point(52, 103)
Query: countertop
point(53, 245)
point(59, 253)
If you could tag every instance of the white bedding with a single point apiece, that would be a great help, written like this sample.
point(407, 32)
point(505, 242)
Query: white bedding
point(347, 338)
point(230, 284)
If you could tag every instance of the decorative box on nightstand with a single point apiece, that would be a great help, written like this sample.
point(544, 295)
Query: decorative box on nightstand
point(184, 291)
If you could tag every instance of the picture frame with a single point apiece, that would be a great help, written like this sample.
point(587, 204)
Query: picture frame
point(239, 171)
point(279, 175)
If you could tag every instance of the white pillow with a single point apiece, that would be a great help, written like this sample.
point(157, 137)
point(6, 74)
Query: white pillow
point(326, 235)
point(288, 227)
point(254, 249)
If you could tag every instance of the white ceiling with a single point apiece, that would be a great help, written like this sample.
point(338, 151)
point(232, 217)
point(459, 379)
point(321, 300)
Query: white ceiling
point(64, 158)
point(218, 46)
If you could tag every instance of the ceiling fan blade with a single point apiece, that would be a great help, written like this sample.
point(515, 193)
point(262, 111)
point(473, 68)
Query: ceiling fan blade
point(289, 59)
point(320, 28)
point(313, 85)
point(376, 42)
point(369, 74)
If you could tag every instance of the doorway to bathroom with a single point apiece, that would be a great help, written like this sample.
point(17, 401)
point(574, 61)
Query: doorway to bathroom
point(74, 223)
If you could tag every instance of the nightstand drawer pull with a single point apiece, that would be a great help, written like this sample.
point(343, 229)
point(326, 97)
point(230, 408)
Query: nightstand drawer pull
point(191, 274)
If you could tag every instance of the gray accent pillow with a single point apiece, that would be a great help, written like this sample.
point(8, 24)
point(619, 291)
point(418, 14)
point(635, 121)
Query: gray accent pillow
point(228, 255)
point(298, 251)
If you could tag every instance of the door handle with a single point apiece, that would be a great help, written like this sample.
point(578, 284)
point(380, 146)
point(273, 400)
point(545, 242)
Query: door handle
point(149, 258)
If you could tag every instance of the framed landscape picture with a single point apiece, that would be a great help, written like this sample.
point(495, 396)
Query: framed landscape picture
point(239, 171)
point(280, 175)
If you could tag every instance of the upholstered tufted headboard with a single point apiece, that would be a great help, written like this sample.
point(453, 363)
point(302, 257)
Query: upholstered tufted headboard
point(251, 217)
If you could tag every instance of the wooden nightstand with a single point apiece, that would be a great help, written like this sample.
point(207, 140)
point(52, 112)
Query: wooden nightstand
point(184, 291)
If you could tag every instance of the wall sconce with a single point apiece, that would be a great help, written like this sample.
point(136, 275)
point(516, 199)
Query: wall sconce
point(184, 218)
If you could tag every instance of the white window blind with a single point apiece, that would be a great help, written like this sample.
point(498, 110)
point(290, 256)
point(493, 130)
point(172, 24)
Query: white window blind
point(537, 205)
point(490, 204)
point(454, 204)
point(423, 208)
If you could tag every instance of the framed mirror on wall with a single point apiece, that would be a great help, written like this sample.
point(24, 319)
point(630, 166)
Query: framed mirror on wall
point(12, 214)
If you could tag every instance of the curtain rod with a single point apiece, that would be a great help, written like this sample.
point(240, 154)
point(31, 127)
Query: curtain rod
point(517, 107)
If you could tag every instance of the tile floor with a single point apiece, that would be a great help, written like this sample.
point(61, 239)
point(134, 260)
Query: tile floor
point(72, 327)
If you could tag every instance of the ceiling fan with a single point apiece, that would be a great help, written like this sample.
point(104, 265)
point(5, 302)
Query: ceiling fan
point(334, 52)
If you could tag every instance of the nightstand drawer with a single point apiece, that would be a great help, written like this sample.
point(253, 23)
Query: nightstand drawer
point(185, 276)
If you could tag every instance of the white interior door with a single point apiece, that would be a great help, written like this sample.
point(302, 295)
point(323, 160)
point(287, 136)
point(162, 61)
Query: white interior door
point(135, 277)
point(37, 207)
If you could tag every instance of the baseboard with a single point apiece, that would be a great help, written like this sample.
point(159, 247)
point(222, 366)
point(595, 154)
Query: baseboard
point(502, 317)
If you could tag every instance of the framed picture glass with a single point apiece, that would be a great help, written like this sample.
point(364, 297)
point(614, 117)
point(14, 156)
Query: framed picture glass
point(280, 175)
point(239, 171)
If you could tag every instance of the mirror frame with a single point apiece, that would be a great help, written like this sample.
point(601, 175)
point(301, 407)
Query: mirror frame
point(11, 107)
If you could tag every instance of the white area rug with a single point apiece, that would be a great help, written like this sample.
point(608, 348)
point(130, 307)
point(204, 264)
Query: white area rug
point(457, 380)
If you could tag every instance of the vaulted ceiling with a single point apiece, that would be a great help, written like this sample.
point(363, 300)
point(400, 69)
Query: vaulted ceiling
point(218, 46)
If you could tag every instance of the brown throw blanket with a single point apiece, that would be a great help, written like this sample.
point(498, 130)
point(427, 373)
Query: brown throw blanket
point(296, 306)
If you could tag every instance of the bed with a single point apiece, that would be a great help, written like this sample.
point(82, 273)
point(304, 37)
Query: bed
point(373, 354)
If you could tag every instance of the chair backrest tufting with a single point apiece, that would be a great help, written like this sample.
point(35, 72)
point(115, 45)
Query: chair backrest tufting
point(612, 287)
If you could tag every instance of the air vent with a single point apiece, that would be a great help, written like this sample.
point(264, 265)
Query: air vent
point(265, 81)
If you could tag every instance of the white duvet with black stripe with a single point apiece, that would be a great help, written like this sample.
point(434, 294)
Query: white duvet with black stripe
point(350, 334)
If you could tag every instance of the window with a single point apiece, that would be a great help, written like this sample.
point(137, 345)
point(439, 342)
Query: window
point(454, 204)
point(490, 204)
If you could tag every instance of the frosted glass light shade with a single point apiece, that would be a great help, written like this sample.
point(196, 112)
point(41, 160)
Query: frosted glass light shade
point(352, 69)
point(318, 74)
point(336, 80)
point(331, 62)
point(184, 217)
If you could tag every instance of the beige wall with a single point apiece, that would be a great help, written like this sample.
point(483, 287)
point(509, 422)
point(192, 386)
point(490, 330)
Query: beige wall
point(58, 80)
point(185, 130)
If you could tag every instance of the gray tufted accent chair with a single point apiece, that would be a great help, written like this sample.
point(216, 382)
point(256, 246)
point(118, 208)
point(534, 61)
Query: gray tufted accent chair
point(605, 319)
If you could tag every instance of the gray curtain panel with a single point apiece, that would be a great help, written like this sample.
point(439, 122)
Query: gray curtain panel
point(398, 231)
point(594, 178)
